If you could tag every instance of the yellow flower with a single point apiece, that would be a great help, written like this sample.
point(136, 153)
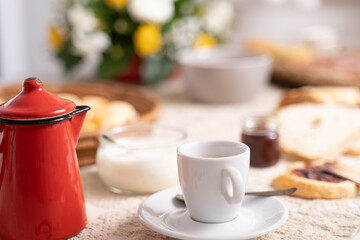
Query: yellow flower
point(117, 4)
point(147, 39)
point(204, 39)
point(56, 38)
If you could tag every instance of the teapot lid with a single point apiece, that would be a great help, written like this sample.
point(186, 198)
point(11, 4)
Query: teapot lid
point(34, 102)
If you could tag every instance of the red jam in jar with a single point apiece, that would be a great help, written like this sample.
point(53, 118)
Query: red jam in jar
point(260, 134)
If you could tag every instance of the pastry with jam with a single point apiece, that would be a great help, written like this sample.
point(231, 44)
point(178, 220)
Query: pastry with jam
point(314, 182)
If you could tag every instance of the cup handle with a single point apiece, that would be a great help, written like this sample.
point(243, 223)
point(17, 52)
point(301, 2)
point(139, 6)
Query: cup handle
point(237, 184)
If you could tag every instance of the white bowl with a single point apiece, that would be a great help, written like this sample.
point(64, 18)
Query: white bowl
point(140, 158)
point(224, 76)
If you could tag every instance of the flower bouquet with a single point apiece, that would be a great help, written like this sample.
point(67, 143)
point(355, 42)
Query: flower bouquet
point(135, 40)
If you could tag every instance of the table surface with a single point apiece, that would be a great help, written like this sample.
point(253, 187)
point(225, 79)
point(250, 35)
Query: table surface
point(113, 216)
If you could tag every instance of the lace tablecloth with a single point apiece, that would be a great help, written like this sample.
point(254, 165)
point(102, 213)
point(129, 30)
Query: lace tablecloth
point(112, 216)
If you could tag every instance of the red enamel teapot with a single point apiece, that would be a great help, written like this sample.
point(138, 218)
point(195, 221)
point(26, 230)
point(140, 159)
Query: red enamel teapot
point(41, 195)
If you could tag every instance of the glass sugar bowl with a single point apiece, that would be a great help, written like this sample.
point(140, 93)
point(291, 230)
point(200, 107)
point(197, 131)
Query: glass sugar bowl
point(260, 134)
point(139, 159)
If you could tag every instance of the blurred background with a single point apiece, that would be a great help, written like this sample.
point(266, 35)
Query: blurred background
point(24, 26)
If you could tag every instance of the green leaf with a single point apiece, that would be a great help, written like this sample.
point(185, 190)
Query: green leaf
point(70, 60)
point(179, 5)
point(156, 69)
point(110, 67)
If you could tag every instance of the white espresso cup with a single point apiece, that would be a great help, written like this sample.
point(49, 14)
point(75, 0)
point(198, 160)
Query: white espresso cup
point(213, 176)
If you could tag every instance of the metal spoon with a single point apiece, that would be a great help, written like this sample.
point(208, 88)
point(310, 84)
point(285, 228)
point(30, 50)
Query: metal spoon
point(288, 191)
point(107, 137)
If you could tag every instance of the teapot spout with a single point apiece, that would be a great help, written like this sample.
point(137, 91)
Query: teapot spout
point(77, 120)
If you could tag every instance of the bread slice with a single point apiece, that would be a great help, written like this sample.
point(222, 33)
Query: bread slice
point(349, 96)
point(309, 188)
point(354, 148)
point(315, 131)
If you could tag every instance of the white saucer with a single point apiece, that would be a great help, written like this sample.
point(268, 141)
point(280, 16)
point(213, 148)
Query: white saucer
point(163, 213)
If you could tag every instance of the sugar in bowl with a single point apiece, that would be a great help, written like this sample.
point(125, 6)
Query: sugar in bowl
point(139, 159)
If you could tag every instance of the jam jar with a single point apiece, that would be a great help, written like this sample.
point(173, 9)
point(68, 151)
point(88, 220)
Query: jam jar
point(260, 134)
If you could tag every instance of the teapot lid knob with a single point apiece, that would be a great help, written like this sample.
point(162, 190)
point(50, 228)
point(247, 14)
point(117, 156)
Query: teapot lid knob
point(32, 82)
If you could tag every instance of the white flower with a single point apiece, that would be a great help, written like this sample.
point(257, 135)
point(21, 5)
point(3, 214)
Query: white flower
point(86, 39)
point(90, 43)
point(152, 11)
point(184, 31)
point(218, 16)
point(81, 20)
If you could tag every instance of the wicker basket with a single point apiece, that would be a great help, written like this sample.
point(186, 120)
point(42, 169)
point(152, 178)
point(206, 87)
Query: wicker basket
point(146, 104)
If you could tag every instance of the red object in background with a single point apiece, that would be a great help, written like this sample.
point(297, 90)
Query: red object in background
point(41, 194)
point(131, 73)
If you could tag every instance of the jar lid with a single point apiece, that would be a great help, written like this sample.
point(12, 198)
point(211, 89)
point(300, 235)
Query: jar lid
point(259, 124)
point(34, 102)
